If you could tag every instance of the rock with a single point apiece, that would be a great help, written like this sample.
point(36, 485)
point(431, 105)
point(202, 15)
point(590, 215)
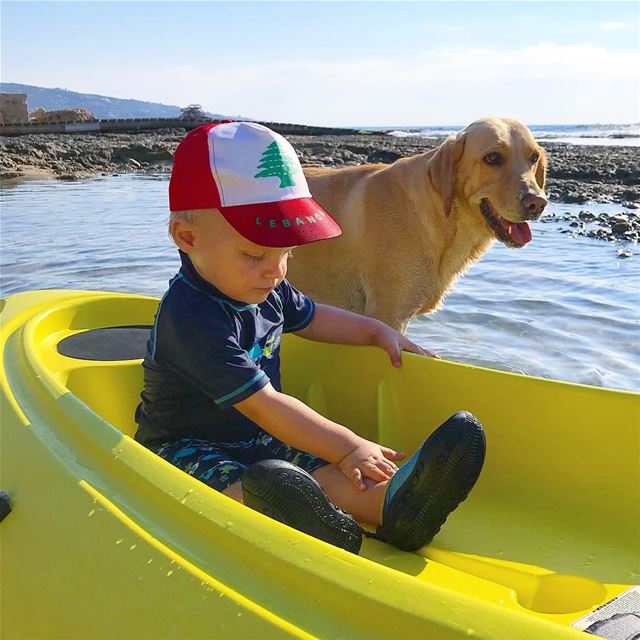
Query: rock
point(620, 227)
point(578, 198)
point(134, 163)
point(383, 155)
point(64, 115)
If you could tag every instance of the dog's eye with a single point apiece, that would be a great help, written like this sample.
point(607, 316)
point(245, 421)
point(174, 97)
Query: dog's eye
point(494, 159)
point(535, 157)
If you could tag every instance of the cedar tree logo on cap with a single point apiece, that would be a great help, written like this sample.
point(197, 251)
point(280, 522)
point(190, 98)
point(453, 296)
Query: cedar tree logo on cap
point(253, 176)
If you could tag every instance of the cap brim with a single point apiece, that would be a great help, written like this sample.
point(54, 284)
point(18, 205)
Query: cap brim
point(285, 223)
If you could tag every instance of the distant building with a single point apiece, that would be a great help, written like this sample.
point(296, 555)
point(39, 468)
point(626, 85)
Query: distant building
point(13, 108)
point(193, 112)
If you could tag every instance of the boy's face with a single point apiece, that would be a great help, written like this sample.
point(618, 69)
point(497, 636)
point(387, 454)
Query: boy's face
point(236, 266)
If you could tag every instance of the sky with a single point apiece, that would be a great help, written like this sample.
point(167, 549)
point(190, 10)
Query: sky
point(339, 63)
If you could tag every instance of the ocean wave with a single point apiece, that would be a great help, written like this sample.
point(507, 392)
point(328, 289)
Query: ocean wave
point(541, 132)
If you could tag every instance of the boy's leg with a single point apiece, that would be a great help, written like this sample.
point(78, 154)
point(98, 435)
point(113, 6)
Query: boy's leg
point(410, 508)
point(207, 462)
point(234, 491)
point(364, 506)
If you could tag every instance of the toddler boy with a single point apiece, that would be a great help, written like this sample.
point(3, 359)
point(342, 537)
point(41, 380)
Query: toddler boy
point(212, 403)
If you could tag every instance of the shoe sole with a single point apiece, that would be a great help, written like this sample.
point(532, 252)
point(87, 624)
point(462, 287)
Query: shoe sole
point(445, 472)
point(290, 495)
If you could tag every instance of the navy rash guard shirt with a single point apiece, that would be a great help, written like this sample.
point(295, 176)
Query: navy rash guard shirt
point(207, 352)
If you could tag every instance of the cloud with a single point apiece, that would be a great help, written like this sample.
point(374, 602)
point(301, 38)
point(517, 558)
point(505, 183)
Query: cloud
point(612, 26)
point(545, 83)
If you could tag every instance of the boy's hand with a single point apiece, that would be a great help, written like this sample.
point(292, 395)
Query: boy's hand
point(393, 342)
point(369, 460)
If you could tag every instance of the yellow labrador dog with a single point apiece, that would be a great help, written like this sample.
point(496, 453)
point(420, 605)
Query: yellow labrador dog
point(412, 227)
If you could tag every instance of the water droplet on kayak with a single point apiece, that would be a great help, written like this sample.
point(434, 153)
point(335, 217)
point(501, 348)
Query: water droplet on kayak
point(150, 560)
point(169, 572)
point(91, 512)
point(471, 632)
point(221, 595)
point(119, 541)
point(228, 524)
point(132, 547)
point(370, 581)
point(239, 613)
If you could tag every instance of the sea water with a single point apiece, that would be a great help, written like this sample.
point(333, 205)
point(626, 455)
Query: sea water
point(617, 135)
point(562, 307)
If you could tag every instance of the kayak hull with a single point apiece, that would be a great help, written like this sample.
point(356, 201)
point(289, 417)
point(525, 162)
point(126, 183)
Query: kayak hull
point(106, 540)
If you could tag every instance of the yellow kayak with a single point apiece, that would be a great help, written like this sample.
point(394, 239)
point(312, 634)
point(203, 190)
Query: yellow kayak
point(106, 540)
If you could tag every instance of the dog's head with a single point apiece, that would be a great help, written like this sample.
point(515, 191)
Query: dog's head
point(497, 170)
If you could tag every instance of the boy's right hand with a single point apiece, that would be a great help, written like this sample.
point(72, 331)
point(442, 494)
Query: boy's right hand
point(369, 459)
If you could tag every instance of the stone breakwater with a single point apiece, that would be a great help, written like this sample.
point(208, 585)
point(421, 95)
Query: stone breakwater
point(576, 174)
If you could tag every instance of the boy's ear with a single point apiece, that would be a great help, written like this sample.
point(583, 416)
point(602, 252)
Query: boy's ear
point(182, 234)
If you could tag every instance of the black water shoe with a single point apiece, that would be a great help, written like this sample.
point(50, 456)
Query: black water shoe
point(287, 493)
point(432, 483)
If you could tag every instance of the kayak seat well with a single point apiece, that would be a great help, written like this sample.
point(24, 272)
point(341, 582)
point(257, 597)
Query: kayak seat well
point(111, 389)
point(92, 346)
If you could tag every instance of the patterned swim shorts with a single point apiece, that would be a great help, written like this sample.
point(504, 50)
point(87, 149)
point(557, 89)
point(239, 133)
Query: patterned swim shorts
point(220, 464)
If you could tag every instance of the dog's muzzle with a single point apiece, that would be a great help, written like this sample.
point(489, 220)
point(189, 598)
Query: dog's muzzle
point(532, 205)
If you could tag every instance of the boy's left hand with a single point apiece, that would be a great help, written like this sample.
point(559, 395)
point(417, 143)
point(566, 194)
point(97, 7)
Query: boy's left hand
point(393, 342)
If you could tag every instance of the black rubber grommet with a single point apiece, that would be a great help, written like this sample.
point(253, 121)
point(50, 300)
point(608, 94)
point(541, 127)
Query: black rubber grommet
point(5, 505)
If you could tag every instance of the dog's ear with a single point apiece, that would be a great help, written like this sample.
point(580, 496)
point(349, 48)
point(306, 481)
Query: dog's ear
point(443, 166)
point(541, 169)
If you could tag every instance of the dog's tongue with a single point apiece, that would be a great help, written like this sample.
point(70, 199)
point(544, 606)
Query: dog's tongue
point(519, 232)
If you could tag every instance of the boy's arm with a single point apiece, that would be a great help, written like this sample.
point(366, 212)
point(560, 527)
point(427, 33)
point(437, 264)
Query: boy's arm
point(299, 426)
point(331, 324)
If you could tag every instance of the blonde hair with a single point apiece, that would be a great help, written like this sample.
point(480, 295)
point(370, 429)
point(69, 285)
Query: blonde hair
point(185, 216)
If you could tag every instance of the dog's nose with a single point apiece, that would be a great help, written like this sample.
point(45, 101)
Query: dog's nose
point(533, 204)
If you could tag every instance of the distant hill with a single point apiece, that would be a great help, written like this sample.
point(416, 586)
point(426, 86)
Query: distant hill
point(100, 106)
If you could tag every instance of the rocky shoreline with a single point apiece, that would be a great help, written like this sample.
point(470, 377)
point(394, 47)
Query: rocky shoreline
point(576, 174)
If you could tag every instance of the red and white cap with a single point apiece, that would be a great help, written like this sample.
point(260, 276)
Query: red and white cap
point(253, 176)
